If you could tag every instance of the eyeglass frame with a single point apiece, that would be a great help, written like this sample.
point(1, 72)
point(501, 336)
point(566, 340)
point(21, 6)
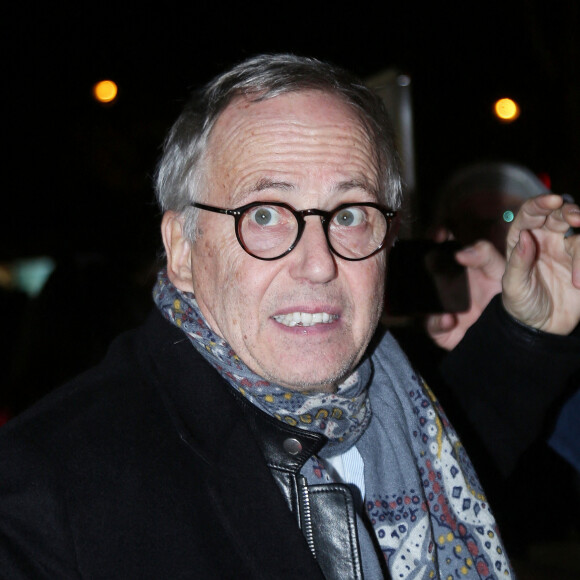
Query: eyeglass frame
point(299, 215)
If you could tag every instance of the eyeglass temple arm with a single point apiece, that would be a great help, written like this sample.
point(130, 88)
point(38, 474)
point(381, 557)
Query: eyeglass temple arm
point(233, 212)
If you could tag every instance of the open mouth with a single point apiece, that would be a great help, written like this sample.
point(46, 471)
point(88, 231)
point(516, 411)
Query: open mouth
point(305, 318)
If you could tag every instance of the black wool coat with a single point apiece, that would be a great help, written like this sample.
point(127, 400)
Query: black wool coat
point(143, 467)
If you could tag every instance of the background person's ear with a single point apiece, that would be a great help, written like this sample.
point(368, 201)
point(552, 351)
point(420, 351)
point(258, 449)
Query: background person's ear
point(178, 251)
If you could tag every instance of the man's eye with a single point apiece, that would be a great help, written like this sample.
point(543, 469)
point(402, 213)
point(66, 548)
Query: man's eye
point(349, 217)
point(265, 216)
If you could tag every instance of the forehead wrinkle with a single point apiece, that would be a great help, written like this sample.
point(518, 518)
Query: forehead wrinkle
point(242, 131)
point(349, 157)
point(254, 151)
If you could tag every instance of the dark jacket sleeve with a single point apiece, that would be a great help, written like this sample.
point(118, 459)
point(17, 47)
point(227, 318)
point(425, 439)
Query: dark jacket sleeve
point(35, 539)
point(511, 381)
point(565, 439)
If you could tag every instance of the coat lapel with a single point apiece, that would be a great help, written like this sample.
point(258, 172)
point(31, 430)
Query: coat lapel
point(247, 503)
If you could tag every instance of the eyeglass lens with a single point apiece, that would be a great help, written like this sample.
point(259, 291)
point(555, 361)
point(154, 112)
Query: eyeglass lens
point(354, 232)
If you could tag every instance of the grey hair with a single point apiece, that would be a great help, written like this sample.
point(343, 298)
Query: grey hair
point(180, 174)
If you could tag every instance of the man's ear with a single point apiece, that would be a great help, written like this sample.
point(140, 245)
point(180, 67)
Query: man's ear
point(178, 251)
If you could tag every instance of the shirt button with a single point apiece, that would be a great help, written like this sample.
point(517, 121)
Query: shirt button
point(292, 446)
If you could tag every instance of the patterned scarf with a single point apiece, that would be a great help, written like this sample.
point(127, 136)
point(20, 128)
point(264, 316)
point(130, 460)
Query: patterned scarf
point(422, 497)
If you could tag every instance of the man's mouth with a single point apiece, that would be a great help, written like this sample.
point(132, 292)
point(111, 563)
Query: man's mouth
point(305, 318)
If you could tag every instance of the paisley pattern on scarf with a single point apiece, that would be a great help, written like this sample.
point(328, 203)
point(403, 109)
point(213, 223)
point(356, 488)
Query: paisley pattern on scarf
point(435, 523)
point(422, 496)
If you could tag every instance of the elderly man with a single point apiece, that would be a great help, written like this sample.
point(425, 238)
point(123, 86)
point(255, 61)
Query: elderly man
point(255, 426)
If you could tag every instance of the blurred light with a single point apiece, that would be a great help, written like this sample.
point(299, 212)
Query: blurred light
point(508, 216)
point(545, 179)
point(105, 91)
point(403, 80)
point(507, 110)
point(30, 274)
point(5, 276)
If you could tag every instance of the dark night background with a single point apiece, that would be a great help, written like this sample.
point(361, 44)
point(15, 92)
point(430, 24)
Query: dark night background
point(77, 175)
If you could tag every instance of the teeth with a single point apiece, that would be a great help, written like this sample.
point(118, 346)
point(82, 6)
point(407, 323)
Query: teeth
point(305, 318)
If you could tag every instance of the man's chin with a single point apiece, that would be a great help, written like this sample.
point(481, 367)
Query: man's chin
point(318, 380)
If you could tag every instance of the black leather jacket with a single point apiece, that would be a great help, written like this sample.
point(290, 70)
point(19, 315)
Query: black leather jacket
point(326, 513)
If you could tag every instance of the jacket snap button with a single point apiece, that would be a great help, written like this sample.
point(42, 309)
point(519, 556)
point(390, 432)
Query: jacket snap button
point(292, 446)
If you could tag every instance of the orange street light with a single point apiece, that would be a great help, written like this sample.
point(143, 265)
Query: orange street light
point(105, 91)
point(506, 110)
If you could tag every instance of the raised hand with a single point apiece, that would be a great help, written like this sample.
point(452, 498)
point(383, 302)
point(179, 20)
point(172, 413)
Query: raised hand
point(541, 284)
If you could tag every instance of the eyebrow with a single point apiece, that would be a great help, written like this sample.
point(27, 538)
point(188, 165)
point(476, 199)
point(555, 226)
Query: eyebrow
point(261, 185)
point(344, 186)
point(265, 183)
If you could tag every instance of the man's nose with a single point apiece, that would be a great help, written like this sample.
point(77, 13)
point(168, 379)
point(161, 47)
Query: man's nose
point(312, 259)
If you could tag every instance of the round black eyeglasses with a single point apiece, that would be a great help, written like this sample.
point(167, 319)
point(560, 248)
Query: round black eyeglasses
point(268, 230)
